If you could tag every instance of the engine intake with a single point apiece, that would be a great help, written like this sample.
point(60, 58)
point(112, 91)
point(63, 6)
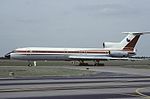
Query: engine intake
point(110, 44)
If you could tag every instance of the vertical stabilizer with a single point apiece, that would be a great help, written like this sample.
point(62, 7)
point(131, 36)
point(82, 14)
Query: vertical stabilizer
point(128, 43)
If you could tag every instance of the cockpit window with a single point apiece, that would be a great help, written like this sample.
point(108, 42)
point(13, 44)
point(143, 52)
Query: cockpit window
point(13, 51)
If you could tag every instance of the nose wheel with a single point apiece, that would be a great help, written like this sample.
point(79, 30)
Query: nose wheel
point(30, 63)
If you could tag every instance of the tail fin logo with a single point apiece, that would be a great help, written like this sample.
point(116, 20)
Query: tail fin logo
point(128, 40)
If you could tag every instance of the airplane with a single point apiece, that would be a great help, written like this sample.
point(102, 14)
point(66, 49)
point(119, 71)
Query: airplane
point(123, 50)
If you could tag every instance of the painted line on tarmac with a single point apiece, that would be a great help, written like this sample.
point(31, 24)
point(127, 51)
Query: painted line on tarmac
point(78, 87)
point(138, 91)
point(130, 94)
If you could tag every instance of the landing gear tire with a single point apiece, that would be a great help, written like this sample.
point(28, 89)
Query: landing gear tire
point(96, 64)
point(30, 64)
point(81, 63)
point(99, 64)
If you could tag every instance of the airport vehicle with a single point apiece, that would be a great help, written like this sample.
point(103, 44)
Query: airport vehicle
point(123, 50)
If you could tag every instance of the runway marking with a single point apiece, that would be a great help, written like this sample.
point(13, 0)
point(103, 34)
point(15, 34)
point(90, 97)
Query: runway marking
point(141, 94)
point(69, 88)
point(131, 94)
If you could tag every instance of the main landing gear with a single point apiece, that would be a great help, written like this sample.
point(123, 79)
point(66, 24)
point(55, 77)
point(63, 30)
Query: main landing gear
point(96, 63)
point(82, 63)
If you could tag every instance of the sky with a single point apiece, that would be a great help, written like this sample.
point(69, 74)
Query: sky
point(72, 23)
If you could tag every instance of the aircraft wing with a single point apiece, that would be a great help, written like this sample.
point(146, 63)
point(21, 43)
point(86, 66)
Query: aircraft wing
point(84, 57)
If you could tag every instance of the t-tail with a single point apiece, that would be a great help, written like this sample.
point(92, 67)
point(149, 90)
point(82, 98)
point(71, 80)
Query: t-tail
point(127, 44)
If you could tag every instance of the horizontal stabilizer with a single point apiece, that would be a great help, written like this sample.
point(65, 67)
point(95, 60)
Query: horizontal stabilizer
point(136, 33)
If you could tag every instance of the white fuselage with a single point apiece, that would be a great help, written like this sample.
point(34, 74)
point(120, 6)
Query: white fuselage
point(53, 53)
point(43, 53)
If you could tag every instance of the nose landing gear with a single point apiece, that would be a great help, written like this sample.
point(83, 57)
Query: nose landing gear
point(32, 64)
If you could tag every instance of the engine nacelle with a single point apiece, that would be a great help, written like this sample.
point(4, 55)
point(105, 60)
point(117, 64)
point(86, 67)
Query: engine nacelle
point(118, 54)
point(110, 44)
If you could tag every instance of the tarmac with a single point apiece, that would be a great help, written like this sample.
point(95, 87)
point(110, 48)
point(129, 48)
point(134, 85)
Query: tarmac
point(107, 83)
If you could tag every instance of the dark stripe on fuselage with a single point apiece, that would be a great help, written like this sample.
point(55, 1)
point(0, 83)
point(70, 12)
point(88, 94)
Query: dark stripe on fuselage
point(36, 52)
point(72, 52)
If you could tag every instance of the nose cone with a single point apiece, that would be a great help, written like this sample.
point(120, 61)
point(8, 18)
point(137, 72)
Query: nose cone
point(7, 56)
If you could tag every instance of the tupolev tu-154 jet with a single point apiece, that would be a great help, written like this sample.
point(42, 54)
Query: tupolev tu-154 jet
point(123, 50)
